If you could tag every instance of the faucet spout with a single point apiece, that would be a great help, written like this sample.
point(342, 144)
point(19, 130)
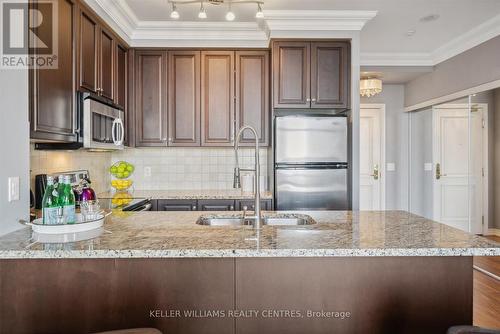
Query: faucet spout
point(237, 182)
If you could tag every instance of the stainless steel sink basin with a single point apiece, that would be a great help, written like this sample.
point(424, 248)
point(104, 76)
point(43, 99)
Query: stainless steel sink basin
point(222, 221)
point(288, 221)
point(277, 220)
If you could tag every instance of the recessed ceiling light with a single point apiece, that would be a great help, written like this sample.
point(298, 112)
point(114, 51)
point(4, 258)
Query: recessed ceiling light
point(429, 18)
point(410, 32)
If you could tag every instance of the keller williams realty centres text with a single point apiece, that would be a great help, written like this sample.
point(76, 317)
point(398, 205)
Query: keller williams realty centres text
point(249, 314)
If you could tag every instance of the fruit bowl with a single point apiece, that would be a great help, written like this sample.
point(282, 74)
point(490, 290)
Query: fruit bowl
point(121, 199)
point(121, 185)
point(121, 169)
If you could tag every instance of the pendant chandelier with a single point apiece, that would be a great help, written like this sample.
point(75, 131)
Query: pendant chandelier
point(202, 14)
point(369, 87)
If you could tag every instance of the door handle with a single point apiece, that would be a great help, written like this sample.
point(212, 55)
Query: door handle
point(438, 171)
point(376, 173)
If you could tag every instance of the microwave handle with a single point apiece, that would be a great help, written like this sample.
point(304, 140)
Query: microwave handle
point(122, 132)
point(113, 128)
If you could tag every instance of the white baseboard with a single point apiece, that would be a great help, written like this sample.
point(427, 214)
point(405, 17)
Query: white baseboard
point(494, 231)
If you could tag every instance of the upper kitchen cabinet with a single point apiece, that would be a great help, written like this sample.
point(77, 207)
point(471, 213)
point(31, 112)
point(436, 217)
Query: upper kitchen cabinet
point(52, 98)
point(184, 98)
point(88, 56)
point(106, 62)
point(121, 75)
point(252, 94)
point(311, 75)
point(151, 98)
point(330, 75)
point(217, 98)
point(291, 74)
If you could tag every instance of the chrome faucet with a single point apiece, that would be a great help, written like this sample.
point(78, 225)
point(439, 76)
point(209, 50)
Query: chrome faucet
point(237, 182)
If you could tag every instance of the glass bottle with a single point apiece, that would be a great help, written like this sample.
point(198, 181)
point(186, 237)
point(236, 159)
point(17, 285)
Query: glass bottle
point(50, 203)
point(67, 201)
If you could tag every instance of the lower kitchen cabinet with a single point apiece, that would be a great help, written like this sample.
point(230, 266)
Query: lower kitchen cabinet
point(216, 205)
point(266, 204)
point(176, 205)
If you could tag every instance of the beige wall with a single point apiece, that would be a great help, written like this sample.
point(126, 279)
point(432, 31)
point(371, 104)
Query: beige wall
point(474, 67)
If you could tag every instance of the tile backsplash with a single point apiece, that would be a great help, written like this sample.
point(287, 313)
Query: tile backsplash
point(49, 162)
point(188, 168)
point(171, 168)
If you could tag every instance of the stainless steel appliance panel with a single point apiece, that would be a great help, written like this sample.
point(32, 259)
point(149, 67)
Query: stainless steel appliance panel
point(306, 139)
point(312, 189)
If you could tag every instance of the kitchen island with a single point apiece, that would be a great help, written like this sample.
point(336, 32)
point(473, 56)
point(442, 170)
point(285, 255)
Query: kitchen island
point(350, 272)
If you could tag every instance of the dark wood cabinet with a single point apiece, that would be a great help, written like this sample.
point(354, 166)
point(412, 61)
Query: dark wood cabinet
point(106, 63)
point(291, 74)
point(184, 98)
point(87, 56)
point(329, 75)
point(217, 98)
point(121, 75)
point(252, 94)
point(177, 205)
point(216, 205)
point(265, 204)
point(150, 98)
point(311, 75)
point(52, 98)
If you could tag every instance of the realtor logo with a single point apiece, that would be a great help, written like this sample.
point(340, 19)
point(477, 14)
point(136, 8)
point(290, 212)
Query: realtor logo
point(29, 34)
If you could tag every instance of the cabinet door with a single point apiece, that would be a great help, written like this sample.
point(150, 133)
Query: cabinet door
point(265, 204)
point(330, 75)
point(151, 93)
point(217, 98)
point(106, 62)
point(52, 100)
point(184, 98)
point(177, 205)
point(216, 205)
point(252, 94)
point(121, 76)
point(88, 52)
point(291, 75)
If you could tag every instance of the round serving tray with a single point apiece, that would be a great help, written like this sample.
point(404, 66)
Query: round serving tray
point(80, 226)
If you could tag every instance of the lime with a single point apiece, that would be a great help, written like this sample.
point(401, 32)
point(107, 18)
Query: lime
point(130, 168)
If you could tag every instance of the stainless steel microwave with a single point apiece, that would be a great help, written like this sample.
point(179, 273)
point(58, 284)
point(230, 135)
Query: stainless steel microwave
point(102, 126)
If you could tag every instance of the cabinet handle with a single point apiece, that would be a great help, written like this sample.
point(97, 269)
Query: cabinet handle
point(314, 100)
point(170, 140)
point(308, 100)
point(231, 207)
point(194, 207)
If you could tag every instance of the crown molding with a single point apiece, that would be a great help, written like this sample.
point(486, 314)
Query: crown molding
point(114, 16)
point(316, 20)
point(478, 35)
point(396, 59)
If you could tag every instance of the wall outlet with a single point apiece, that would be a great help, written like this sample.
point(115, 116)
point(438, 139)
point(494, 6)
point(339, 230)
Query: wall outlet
point(13, 188)
point(147, 171)
point(391, 167)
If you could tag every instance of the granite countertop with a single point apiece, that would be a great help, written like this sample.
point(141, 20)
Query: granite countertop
point(191, 194)
point(337, 233)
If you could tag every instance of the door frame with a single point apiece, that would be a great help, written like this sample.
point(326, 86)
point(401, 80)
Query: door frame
point(382, 165)
point(485, 155)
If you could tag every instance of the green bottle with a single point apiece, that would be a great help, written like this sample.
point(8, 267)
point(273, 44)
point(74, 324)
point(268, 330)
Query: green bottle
point(50, 204)
point(67, 201)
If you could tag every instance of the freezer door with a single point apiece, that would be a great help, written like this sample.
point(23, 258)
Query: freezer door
point(301, 139)
point(312, 189)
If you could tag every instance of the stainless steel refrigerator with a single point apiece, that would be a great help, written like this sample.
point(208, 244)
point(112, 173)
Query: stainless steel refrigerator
point(312, 163)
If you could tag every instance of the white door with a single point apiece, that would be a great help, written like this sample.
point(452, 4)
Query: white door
point(372, 145)
point(458, 171)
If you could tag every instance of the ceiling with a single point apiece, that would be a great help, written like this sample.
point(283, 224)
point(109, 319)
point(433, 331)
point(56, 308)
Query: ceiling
point(385, 33)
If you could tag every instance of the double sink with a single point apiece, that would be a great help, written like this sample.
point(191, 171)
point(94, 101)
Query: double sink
point(272, 220)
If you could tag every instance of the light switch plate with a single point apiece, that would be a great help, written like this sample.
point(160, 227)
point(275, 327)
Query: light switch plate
point(147, 171)
point(13, 188)
point(391, 167)
point(428, 166)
